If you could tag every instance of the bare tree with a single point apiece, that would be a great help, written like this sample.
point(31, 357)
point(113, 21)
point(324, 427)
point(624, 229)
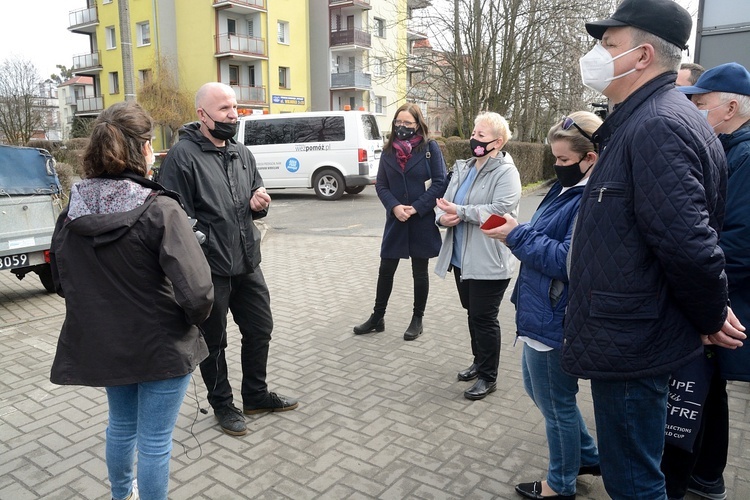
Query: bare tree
point(168, 104)
point(20, 115)
point(516, 57)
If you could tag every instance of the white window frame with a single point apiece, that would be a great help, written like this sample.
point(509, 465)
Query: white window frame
point(104, 2)
point(285, 82)
point(114, 82)
point(379, 104)
point(378, 66)
point(282, 32)
point(139, 29)
point(379, 27)
point(110, 35)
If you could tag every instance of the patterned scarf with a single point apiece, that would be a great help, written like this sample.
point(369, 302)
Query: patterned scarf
point(403, 149)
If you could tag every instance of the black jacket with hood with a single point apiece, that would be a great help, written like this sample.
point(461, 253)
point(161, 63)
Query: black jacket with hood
point(215, 185)
point(135, 282)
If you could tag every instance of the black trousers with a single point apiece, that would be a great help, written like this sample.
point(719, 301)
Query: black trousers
point(247, 297)
point(709, 456)
point(481, 299)
point(385, 285)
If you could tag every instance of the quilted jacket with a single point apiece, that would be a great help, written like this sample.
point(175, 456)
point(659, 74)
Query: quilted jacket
point(418, 236)
point(735, 241)
point(542, 247)
point(647, 276)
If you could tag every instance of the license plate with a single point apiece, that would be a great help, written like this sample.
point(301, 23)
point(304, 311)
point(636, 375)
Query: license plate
point(13, 261)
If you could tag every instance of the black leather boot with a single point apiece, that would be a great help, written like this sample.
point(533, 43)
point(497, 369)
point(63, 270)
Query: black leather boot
point(415, 328)
point(373, 324)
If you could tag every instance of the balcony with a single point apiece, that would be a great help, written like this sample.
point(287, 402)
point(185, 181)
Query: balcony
point(83, 20)
point(240, 46)
point(71, 100)
point(89, 106)
point(250, 95)
point(241, 7)
point(338, 4)
point(351, 37)
point(351, 80)
point(86, 63)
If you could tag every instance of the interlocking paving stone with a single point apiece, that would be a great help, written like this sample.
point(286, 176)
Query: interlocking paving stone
point(378, 417)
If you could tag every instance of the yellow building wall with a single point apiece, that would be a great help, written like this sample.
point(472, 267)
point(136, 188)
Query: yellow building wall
point(295, 55)
point(111, 59)
point(195, 21)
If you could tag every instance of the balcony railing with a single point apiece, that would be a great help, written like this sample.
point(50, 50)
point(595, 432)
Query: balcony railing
point(89, 104)
point(70, 100)
point(352, 79)
point(250, 95)
point(82, 17)
point(351, 37)
point(364, 4)
point(86, 61)
point(227, 44)
point(252, 4)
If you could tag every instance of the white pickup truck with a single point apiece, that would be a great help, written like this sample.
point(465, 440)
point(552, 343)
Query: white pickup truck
point(29, 206)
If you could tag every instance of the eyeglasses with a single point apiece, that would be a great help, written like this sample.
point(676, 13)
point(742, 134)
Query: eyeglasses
point(568, 122)
point(399, 123)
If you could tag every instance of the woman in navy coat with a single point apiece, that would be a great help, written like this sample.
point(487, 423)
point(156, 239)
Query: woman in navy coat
point(411, 176)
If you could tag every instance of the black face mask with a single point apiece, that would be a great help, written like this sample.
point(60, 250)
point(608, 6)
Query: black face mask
point(479, 148)
point(405, 133)
point(222, 131)
point(570, 175)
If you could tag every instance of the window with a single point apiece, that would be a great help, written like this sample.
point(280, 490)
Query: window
point(109, 33)
point(114, 83)
point(380, 27)
point(231, 26)
point(251, 75)
point(284, 78)
point(234, 75)
point(378, 66)
point(294, 130)
point(282, 28)
point(143, 31)
point(106, 1)
point(144, 75)
point(380, 104)
point(250, 28)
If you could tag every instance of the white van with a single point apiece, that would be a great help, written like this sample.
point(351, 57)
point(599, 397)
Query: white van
point(330, 151)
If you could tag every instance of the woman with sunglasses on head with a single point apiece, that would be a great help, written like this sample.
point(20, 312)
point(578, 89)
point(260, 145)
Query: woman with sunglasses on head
point(486, 184)
point(135, 283)
point(541, 296)
point(411, 176)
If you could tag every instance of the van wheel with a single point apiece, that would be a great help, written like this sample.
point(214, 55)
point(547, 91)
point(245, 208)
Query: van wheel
point(355, 189)
point(45, 276)
point(329, 185)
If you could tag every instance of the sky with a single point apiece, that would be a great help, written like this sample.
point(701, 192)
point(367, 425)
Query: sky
point(37, 30)
point(46, 41)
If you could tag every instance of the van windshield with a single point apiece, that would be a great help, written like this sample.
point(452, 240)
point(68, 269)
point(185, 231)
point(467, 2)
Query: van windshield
point(370, 126)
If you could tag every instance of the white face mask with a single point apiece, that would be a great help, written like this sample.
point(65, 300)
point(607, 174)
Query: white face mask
point(705, 113)
point(598, 67)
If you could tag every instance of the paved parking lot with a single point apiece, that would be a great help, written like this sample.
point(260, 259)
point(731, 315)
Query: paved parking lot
point(378, 418)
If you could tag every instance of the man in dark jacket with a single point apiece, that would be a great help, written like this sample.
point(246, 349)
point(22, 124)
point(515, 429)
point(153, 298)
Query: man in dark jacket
point(723, 95)
point(647, 277)
point(221, 188)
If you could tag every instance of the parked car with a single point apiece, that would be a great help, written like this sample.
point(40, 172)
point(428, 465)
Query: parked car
point(30, 202)
point(330, 151)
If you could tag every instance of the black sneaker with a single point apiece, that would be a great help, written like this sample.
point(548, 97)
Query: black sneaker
point(272, 402)
point(231, 420)
point(714, 491)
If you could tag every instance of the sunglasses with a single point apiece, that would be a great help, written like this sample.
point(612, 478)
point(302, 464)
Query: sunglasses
point(568, 122)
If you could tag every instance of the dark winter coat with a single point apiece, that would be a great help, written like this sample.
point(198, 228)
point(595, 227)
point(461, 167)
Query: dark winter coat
point(418, 236)
point(542, 247)
point(735, 241)
point(647, 276)
point(216, 187)
point(135, 282)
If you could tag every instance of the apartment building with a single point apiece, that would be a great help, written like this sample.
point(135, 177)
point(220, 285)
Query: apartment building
point(359, 51)
point(69, 93)
point(259, 47)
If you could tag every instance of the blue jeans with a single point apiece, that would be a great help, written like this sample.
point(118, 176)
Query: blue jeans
point(554, 393)
point(142, 416)
point(630, 419)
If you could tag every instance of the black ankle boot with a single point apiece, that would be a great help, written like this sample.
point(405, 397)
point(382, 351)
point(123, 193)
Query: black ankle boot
point(415, 328)
point(373, 324)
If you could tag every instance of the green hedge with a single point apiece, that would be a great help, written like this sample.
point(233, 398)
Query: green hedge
point(534, 161)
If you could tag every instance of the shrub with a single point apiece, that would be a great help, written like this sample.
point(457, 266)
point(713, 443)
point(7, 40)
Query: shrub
point(67, 176)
